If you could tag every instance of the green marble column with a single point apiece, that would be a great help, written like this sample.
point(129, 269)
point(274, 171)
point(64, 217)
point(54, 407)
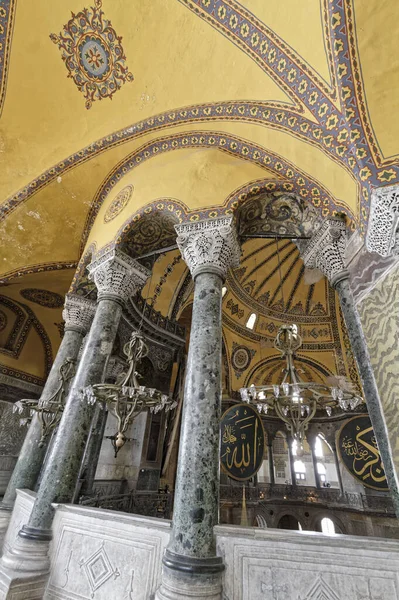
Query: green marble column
point(78, 315)
point(117, 277)
point(190, 565)
point(326, 251)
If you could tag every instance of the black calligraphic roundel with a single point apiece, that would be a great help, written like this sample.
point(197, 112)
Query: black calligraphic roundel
point(242, 442)
point(358, 450)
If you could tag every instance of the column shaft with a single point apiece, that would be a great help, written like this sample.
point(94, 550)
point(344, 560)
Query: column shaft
point(31, 456)
point(196, 502)
point(271, 463)
point(314, 462)
point(59, 479)
point(370, 389)
point(291, 461)
point(338, 468)
point(93, 451)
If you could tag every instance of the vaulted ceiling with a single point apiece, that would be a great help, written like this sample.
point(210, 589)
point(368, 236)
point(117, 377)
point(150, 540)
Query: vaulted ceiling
point(109, 110)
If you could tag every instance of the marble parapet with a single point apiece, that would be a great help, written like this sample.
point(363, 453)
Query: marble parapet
point(299, 565)
point(104, 554)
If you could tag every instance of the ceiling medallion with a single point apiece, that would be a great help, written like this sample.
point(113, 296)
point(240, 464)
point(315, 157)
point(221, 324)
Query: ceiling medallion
point(93, 54)
point(43, 297)
point(118, 203)
point(296, 401)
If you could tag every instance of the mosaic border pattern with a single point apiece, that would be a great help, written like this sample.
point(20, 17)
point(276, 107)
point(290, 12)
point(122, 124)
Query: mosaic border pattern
point(33, 269)
point(304, 185)
point(7, 15)
point(339, 135)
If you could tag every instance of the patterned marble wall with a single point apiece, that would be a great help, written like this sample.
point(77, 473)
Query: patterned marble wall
point(379, 313)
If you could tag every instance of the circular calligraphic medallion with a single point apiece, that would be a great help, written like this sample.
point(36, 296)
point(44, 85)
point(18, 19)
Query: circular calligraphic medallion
point(358, 450)
point(94, 56)
point(242, 442)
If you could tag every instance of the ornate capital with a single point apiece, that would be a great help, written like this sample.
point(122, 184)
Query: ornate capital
point(117, 275)
point(210, 245)
point(326, 250)
point(78, 313)
point(383, 228)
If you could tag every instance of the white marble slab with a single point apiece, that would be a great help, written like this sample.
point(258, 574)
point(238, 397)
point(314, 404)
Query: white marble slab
point(284, 565)
point(104, 554)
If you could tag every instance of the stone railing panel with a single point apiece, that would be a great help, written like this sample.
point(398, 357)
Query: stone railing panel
point(102, 554)
point(306, 566)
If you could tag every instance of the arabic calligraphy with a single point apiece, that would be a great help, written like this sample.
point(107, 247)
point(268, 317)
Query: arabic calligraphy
point(359, 452)
point(242, 442)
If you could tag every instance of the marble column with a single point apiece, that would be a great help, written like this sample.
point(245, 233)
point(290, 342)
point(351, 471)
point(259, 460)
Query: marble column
point(191, 568)
point(291, 460)
point(271, 463)
point(314, 462)
point(337, 466)
point(78, 314)
point(326, 251)
point(117, 277)
point(92, 453)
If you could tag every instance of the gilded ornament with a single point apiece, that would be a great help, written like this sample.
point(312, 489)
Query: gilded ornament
point(118, 203)
point(93, 54)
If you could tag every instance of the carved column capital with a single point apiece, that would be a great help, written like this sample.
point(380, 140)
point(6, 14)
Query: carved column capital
point(209, 246)
point(383, 229)
point(78, 313)
point(326, 250)
point(117, 276)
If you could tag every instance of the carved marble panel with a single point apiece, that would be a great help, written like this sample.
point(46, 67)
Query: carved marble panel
point(284, 565)
point(102, 554)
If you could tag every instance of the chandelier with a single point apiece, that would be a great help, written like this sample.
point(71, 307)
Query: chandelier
point(126, 399)
point(296, 401)
point(49, 411)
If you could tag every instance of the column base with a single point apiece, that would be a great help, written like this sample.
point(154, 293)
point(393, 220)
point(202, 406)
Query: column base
point(29, 553)
point(186, 578)
point(5, 518)
point(18, 586)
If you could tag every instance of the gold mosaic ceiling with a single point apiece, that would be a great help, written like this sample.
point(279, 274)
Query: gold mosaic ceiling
point(211, 100)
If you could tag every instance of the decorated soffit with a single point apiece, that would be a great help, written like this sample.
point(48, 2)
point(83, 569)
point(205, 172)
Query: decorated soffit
point(309, 95)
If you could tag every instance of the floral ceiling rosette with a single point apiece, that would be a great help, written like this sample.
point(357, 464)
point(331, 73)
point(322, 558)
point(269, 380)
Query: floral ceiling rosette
point(93, 54)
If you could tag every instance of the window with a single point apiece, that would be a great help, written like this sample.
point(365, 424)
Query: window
point(322, 478)
point(299, 466)
point(224, 290)
point(250, 324)
point(327, 526)
point(300, 470)
point(321, 469)
point(318, 448)
point(280, 474)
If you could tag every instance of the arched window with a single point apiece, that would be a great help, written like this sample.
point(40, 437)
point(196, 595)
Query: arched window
point(224, 290)
point(321, 471)
point(327, 526)
point(300, 470)
point(250, 324)
point(318, 447)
